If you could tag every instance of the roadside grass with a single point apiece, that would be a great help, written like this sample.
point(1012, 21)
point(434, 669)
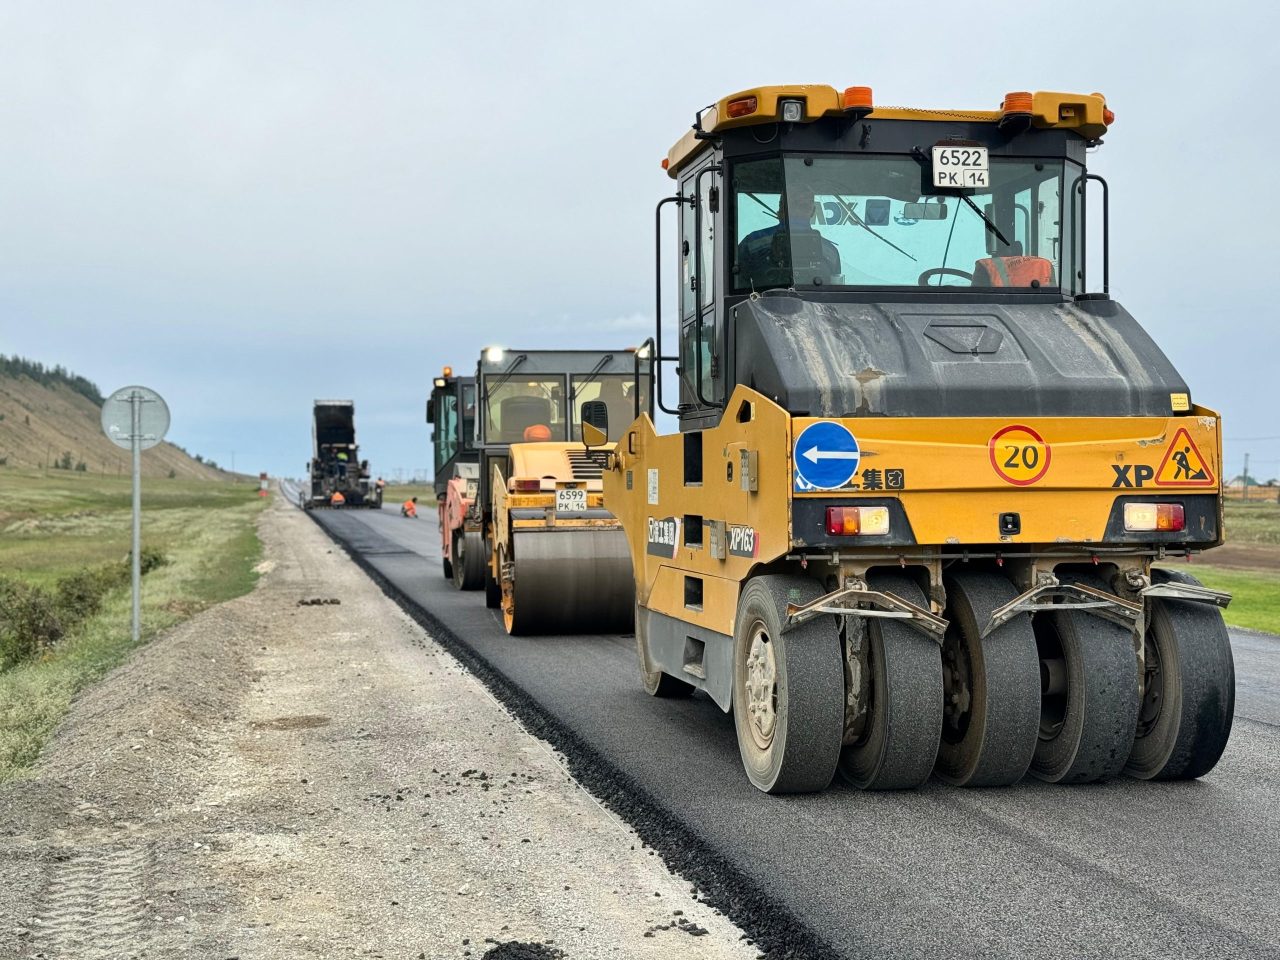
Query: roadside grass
point(209, 537)
point(54, 525)
point(1255, 595)
point(398, 494)
point(1252, 521)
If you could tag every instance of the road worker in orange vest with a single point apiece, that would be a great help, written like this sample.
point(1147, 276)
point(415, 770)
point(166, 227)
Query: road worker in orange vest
point(410, 508)
point(337, 499)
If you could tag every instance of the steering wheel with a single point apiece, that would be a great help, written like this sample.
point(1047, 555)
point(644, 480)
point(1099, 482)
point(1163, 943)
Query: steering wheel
point(943, 272)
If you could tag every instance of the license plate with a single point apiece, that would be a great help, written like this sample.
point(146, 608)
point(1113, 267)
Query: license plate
point(571, 501)
point(960, 167)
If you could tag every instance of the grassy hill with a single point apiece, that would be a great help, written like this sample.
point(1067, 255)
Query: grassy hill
point(50, 417)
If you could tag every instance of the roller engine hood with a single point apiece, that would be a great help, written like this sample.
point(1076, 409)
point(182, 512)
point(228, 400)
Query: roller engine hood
point(825, 358)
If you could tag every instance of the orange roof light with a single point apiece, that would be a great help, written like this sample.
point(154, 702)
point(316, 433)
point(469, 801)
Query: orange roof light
point(742, 107)
point(448, 371)
point(666, 162)
point(857, 98)
point(1108, 116)
point(1019, 101)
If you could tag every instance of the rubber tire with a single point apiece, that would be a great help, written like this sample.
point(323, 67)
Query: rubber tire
point(1199, 684)
point(805, 748)
point(468, 572)
point(492, 589)
point(655, 682)
point(1101, 711)
point(1004, 720)
point(902, 748)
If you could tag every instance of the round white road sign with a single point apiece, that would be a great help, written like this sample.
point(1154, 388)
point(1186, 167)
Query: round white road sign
point(117, 417)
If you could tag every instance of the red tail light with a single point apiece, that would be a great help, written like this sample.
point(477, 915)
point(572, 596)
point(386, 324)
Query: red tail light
point(528, 486)
point(855, 521)
point(1160, 517)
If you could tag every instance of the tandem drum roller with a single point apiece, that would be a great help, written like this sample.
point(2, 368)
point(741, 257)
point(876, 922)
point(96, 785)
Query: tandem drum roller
point(569, 581)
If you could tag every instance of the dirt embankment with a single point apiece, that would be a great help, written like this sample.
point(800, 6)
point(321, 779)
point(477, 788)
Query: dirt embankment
point(286, 779)
point(39, 424)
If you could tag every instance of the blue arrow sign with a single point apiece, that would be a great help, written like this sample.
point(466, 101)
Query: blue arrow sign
point(826, 456)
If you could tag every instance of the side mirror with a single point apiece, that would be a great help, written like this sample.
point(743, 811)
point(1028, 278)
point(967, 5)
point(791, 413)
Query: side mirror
point(595, 414)
point(593, 436)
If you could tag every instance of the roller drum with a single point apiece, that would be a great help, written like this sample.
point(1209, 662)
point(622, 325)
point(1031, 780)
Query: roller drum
point(572, 581)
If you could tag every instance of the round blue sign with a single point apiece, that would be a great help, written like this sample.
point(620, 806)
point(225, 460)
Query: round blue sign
point(826, 456)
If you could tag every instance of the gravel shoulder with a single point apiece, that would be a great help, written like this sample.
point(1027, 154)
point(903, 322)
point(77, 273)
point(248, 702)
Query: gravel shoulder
point(280, 778)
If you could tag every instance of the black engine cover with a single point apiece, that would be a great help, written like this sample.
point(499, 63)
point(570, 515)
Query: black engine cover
point(827, 358)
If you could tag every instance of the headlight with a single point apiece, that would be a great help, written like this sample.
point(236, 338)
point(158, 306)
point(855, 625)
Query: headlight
point(792, 111)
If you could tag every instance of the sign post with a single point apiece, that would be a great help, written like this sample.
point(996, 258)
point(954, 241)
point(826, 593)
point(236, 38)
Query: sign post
point(136, 418)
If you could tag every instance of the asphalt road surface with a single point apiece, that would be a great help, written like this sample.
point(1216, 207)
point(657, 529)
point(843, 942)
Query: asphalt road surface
point(1126, 869)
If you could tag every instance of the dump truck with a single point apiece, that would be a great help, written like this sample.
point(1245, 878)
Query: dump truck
point(926, 469)
point(335, 465)
point(451, 410)
point(557, 559)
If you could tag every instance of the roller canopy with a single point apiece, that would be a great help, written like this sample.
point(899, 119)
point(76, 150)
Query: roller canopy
point(829, 359)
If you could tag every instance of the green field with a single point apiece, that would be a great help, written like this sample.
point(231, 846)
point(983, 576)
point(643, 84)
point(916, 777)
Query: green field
point(396, 495)
point(1253, 521)
point(1255, 595)
point(53, 526)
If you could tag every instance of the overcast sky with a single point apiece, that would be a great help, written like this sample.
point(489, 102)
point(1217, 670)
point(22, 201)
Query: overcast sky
point(249, 205)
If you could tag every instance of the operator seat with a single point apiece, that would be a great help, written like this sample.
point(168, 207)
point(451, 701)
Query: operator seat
point(517, 414)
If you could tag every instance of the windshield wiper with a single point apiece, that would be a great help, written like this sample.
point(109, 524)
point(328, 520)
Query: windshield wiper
point(919, 157)
point(848, 208)
point(489, 388)
point(592, 375)
point(985, 219)
point(767, 209)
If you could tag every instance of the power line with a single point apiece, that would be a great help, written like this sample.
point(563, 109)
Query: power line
point(1250, 439)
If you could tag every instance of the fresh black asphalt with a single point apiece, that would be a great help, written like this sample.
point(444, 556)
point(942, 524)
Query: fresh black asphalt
point(1124, 869)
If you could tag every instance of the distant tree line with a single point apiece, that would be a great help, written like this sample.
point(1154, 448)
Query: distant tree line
point(16, 366)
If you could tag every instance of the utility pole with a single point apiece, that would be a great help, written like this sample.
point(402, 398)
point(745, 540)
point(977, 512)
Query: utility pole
point(1246, 476)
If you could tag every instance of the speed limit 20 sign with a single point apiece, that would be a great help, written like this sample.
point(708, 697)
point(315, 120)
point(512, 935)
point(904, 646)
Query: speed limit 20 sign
point(1019, 455)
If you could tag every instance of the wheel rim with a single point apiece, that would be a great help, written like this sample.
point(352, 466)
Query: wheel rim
point(761, 688)
point(957, 686)
point(508, 591)
point(459, 561)
point(860, 724)
point(1053, 679)
point(1152, 685)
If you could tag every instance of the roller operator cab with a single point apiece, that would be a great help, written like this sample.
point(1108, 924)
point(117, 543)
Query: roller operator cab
point(557, 560)
point(923, 472)
point(451, 411)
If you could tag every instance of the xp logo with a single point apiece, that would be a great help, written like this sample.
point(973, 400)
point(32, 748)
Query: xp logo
point(1132, 474)
point(744, 542)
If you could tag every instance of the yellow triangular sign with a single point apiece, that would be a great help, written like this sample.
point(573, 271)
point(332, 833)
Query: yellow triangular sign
point(1183, 466)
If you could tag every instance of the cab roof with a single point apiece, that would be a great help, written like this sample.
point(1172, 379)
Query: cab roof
point(1085, 113)
point(556, 362)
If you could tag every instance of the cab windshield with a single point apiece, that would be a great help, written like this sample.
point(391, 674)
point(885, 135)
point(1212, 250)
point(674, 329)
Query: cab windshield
point(468, 416)
point(528, 408)
point(518, 408)
point(872, 221)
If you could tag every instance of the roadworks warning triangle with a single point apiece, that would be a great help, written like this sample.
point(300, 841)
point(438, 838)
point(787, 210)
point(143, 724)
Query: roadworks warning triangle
point(1183, 464)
